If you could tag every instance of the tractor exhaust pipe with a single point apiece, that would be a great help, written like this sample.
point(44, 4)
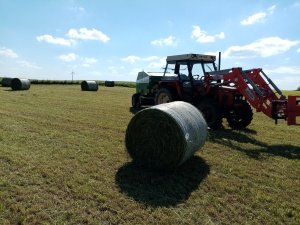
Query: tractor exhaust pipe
point(219, 63)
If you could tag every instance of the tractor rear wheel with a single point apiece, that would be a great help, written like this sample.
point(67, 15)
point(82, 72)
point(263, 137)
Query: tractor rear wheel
point(212, 113)
point(164, 95)
point(135, 101)
point(240, 116)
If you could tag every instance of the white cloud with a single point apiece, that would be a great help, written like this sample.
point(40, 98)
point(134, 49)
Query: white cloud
point(169, 41)
point(87, 62)
point(258, 17)
point(149, 63)
point(202, 36)
point(286, 78)
point(68, 58)
point(55, 40)
point(264, 47)
point(220, 35)
point(298, 50)
point(8, 53)
point(271, 9)
point(212, 53)
point(27, 64)
point(113, 69)
point(77, 9)
point(296, 4)
point(132, 59)
point(150, 58)
point(158, 64)
point(83, 61)
point(284, 70)
point(255, 18)
point(86, 34)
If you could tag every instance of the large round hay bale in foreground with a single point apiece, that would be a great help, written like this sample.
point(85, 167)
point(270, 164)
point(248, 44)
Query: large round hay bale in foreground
point(18, 84)
point(164, 136)
point(6, 81)
point(108, 83)
point(89, 85)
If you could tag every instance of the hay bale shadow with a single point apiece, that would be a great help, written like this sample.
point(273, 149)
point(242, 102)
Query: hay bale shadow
point(162, 188)
point(226, 138)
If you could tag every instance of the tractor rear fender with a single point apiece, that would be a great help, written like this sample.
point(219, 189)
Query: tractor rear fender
point(173, 86)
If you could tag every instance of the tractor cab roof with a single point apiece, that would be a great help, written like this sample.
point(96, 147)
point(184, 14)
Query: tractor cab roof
point(191, 57)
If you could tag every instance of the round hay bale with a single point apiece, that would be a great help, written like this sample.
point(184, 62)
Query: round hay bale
point(109, 83)
point(164, 136)
point(89, 85)
point(6, 81)
point(20, 84)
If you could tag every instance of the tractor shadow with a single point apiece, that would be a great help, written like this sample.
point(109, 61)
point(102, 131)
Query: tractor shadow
point(162, 188)
point(235, 138)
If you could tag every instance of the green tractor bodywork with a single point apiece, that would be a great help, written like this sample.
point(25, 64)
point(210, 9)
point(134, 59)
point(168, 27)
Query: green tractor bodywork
point(146, 86)
point(147, 82)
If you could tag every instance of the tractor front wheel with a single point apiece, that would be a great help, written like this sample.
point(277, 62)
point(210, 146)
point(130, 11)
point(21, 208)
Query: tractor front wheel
point(164, 95)
point(211, 113)
point(135, 101)
point(240, 116)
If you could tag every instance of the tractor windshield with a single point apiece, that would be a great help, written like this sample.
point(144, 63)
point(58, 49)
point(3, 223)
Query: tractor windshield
point(198, 69)
point(209, 67)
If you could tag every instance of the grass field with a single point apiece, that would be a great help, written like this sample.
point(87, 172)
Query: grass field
point(63, 161)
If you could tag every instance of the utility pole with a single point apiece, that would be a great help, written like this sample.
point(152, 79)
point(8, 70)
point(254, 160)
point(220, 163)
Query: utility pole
point(72, 74)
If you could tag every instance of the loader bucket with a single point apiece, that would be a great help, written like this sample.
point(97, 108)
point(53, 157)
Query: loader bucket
point(293, 110)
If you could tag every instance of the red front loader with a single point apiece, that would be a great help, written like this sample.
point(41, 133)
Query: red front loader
point(224, 93)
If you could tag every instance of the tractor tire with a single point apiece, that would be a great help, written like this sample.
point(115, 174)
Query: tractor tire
point(240, 116)
point(164, 95)
point(211, 113)
point(135, 101)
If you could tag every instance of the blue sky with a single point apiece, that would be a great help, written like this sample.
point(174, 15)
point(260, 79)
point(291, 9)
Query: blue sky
point(114, 40)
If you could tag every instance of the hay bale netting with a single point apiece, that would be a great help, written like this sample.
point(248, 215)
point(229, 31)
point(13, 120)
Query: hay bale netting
point(89, 85)
point(20, 84)
point(164, 136)
point(6, 81)
point(109, 83)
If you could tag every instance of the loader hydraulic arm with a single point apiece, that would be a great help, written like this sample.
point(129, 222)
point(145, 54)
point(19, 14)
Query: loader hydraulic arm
point(261, 92)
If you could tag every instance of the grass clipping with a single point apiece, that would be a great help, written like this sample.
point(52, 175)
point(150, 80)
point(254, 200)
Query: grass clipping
point(164, 136)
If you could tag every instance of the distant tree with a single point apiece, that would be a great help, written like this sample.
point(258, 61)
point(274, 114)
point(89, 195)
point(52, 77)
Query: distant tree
point(298, 89)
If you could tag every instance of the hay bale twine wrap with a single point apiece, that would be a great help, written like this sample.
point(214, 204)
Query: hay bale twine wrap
point(6, 81)
point(18, 84)
point(164, 136)
point(109, 83)
point(89, 85)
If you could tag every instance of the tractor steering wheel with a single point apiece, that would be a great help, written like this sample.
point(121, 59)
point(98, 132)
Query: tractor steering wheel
point(196, 75)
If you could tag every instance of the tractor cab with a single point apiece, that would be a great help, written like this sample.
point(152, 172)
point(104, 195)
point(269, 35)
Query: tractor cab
point(184, 75)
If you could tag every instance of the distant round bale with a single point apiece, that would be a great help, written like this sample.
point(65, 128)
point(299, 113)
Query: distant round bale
point(6, 81)
point(18, 84)
point(89, 85)
point(164, 136)
point(109, 83)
